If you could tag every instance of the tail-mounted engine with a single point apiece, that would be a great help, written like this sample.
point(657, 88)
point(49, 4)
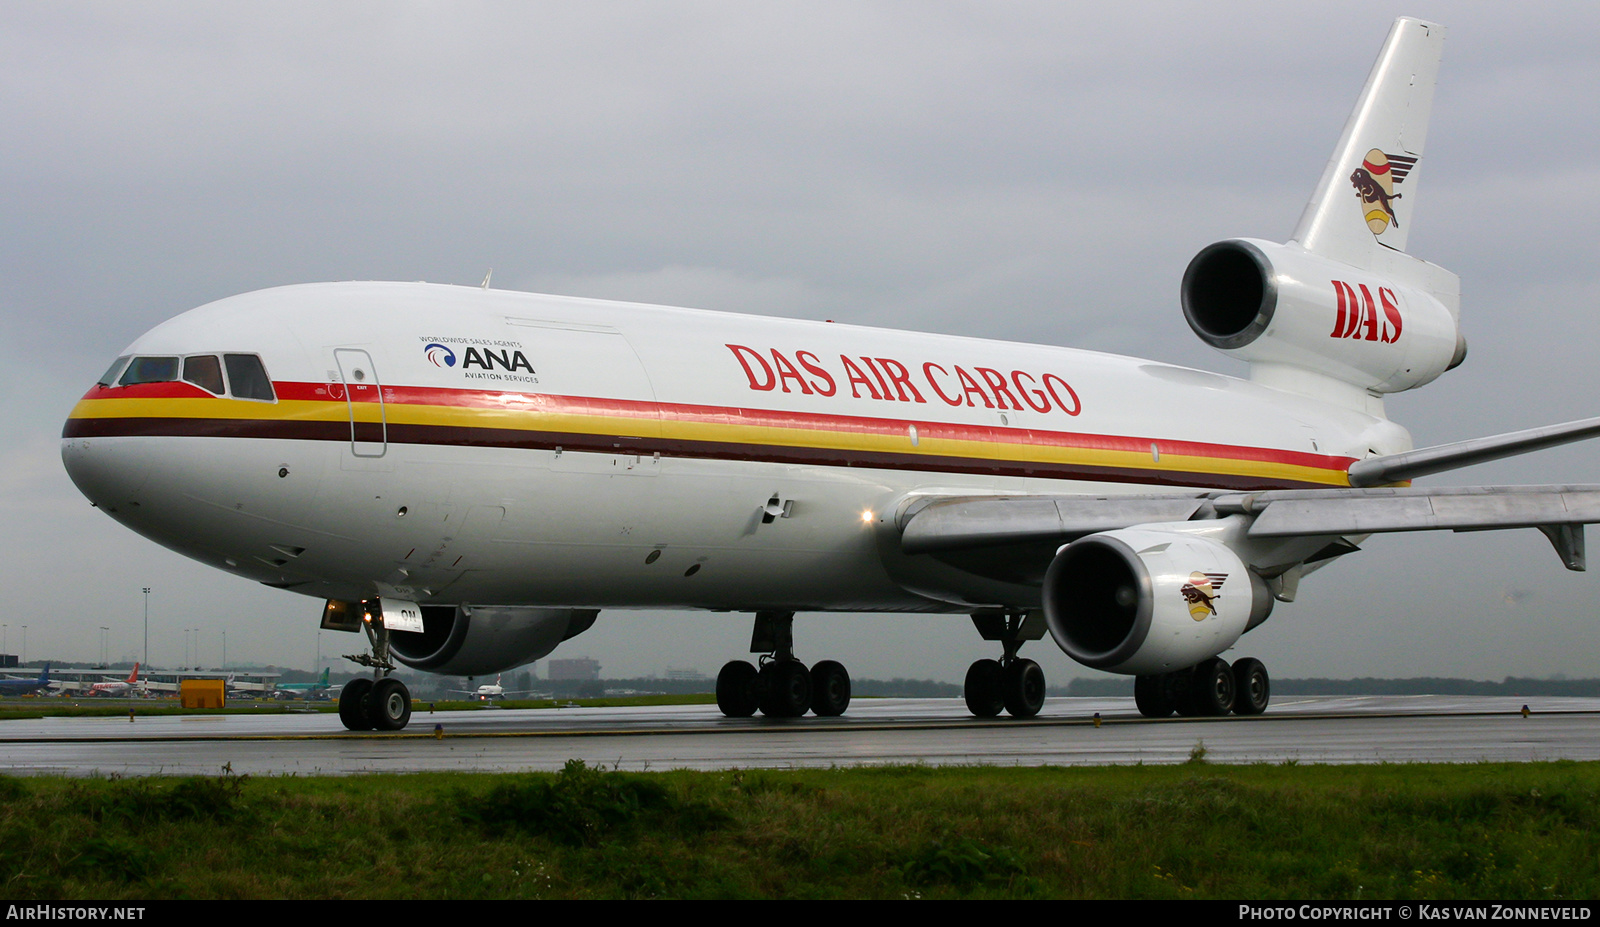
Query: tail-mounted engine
point(1280, 304)
point(475, 640)
point(1142, 602)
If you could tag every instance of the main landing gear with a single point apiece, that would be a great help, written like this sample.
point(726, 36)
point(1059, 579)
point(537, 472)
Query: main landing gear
point(1010, 684)
point(1209, 688)
point(381, 703)
point(782, 687)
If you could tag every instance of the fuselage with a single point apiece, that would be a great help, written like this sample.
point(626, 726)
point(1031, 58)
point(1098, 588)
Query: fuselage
point(455, 445)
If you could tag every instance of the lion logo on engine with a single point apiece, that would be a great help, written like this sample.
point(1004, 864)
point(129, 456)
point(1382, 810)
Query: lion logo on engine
point(1201, 592)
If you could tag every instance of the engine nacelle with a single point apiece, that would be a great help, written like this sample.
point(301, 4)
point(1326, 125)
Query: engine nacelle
point(1270, 303)
point(476, 640)
point(1140, 601)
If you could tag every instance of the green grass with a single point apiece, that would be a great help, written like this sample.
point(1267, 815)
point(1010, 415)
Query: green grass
point(1523, 831)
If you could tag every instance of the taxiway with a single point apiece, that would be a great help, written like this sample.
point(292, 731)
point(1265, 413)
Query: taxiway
point(875, 731)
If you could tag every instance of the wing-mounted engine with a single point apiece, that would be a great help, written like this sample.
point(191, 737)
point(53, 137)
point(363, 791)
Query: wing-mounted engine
point(475, 640)
point(1278, 304)
point(1139, 601)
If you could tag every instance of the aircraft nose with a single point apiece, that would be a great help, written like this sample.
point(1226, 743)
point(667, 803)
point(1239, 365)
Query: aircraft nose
point(109, 471)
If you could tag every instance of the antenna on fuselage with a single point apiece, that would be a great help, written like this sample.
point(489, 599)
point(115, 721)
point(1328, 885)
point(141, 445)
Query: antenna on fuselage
point(485, 284)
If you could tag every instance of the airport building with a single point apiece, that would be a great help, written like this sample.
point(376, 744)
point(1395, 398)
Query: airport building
point(579, 669)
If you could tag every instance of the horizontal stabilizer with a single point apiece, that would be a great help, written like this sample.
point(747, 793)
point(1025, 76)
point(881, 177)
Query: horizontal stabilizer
point(1394, 468)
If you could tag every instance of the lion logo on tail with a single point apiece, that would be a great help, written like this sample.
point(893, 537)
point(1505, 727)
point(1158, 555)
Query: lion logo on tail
point(1375, 181)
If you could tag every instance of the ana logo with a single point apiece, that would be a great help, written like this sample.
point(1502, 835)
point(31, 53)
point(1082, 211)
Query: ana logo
point(1375, 181)
point(439, 355)
point(1201, 592)
point(487, 360)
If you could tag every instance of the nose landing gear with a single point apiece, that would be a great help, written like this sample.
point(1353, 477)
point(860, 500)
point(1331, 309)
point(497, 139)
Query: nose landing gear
point(381, 703)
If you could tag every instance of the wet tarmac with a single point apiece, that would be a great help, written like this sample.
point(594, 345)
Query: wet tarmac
point(1386, 729)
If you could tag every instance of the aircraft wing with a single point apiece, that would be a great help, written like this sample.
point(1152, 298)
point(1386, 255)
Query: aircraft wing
point(964, 523)
point(950, 524)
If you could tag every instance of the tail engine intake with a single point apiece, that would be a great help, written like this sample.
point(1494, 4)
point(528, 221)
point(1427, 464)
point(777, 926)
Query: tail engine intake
point(1280, 304)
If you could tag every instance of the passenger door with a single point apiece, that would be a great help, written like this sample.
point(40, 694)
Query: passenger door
point(369, 427)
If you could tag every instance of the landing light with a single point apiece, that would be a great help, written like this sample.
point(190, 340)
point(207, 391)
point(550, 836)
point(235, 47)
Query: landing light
point(866, 517)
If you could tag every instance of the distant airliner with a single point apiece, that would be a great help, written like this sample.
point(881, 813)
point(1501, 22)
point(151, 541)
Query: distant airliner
point(24, 686)
point(305, 689)
point(469, 476)
point(114, 689)
point(493, 691)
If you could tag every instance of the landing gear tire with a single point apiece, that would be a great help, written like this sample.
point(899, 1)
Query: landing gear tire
point(736, 689)
point(830, 689)
point(389, 705)
point(353, 704)
point(1211, 687)
point(1252, 689)
point(785, 689)
point(985, 697)
point(1022, 688)
point(1154, 697)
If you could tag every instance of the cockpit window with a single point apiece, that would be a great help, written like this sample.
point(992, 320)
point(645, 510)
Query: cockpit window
point(150, 370)
point(247, 378)
point(110, 376)
point(204, 371)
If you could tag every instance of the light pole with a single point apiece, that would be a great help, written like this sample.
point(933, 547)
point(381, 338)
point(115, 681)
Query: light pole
point(103, 631)
point(197, 660)
point(147, 625)
point(24, 645)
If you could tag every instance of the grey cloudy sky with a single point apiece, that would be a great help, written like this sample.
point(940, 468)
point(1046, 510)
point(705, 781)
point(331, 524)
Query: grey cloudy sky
point(1025, 170)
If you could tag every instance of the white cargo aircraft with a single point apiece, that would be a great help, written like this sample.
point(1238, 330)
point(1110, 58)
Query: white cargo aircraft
point(471, 475)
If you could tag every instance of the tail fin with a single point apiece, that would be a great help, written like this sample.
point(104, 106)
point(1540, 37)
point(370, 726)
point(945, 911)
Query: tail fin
point(1341, 304)
point(1368, 190)
point(44, 675)
point(134, 676)
point(324, 679)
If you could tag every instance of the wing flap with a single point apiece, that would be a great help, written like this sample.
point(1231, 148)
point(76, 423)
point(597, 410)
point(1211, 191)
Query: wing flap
point(1355, 511)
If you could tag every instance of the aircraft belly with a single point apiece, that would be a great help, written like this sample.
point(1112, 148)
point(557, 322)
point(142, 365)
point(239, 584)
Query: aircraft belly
point(507, 526)
point(580, 530)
